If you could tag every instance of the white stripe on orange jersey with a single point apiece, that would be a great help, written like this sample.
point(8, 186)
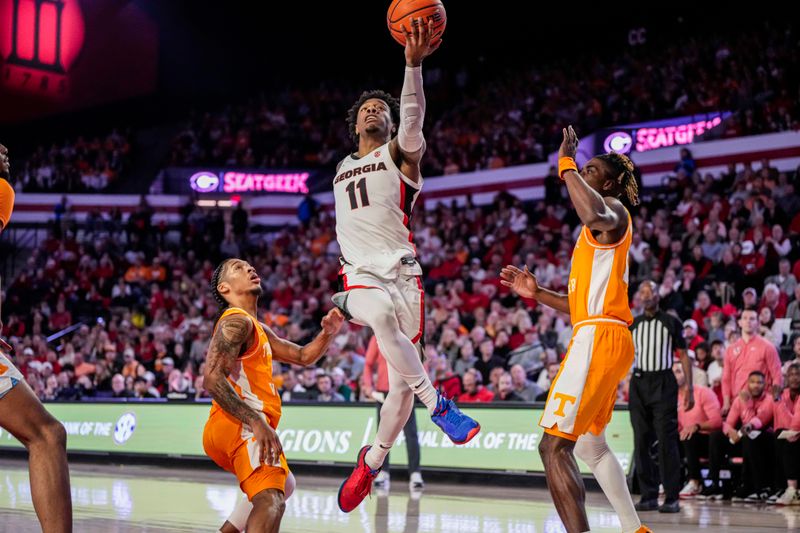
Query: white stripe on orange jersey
point(598, 279)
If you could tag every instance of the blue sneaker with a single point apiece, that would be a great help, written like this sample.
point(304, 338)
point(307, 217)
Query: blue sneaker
point(455, 424)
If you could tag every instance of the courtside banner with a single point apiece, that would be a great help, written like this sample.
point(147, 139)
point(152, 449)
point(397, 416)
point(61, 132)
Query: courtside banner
point(317, 433)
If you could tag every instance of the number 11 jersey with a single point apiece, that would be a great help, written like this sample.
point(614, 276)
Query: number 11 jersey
point(374, 201)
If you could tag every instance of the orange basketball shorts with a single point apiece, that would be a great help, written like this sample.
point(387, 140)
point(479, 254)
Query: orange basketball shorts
point(231, 445)
point(583, 393)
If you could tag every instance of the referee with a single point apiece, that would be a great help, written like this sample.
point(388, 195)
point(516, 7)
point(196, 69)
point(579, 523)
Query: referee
point(653, 401)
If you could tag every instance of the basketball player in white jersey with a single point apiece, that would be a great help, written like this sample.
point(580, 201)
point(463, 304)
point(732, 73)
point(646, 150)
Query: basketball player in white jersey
point(375, 189)
point(24, 416)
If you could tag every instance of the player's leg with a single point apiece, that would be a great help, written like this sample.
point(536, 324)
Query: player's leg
point(375, 308)
point(268, 508)
point(395, 412)
point(564, 481)
point(594, 451)
point(381, 309)
point(237, 521)
point(23, 415)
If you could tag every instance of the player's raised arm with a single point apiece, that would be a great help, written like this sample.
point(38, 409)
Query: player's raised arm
point(289, 352)
point(410, 143)
point(597, 212)
point(525, 284)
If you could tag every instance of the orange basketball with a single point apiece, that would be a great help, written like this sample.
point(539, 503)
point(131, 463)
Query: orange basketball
point(405, 13)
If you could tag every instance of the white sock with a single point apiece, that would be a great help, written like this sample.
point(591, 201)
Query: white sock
point(594, 451)
point(395, 412)
point(374, 307)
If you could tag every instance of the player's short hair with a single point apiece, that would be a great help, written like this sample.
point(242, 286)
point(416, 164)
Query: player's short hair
point(622, 172)
point(352, 113)
point(756, 373)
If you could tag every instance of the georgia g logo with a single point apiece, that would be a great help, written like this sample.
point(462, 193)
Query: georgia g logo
point(124, 428)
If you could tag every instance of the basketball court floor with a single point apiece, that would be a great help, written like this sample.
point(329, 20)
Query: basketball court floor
point(117, 499)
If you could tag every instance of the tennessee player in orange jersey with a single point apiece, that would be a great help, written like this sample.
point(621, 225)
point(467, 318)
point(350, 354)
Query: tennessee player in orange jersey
point(24, 416)
point(600, 354)
point(240, 433)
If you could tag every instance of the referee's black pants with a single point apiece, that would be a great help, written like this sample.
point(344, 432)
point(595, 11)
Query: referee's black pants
point(653, 405)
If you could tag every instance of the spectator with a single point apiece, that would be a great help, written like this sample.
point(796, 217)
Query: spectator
point(466, 359)
point(446, 382)
point(505, 390)
point(793, 310)
point(784, 279)
point(795, 354)
point(690, 334)
point(787, 417)
point(748, 354)
point(474, 391)
point(119, 388)
point(488, 360)
point(141, 389)
point(546, 378)
point(750, 421)
point(290, 386)
point(768, 327)
point(523, 387)
point(326, 392)
point(695, 428)
point(774, 300)
point(338, 376)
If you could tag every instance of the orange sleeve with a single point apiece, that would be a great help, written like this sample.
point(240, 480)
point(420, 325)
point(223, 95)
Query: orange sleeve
point(6, 202)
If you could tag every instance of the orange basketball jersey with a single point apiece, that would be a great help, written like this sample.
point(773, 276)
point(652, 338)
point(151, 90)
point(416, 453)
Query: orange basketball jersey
point(252, 375)
point(598, 279)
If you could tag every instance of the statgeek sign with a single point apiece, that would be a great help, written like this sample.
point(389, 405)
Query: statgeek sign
point(659, 134)
point(232, 182)
point(317, 434)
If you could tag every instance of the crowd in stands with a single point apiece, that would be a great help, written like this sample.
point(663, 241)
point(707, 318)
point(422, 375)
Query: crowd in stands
point(74, 165)
point(509, 117)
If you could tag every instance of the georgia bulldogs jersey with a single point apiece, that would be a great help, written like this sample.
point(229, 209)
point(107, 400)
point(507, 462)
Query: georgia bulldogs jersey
point(374, 201)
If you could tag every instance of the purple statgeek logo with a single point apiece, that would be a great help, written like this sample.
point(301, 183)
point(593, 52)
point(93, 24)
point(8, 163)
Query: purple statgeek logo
point(204, 182)
point(619, 142)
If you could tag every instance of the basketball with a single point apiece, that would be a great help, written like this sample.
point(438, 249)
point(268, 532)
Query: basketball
point(404, 13)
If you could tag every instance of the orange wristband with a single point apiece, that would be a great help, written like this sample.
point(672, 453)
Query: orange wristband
point(564, 164)
point(6, 202)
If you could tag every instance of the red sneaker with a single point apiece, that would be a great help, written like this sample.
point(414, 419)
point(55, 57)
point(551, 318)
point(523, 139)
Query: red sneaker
point(356, 487)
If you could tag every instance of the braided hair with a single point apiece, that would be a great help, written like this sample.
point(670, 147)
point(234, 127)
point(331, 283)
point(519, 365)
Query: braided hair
point(622, 167)
point(215, 281)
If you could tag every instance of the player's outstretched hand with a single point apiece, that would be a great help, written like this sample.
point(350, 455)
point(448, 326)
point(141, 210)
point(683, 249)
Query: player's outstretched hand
point(523, 282)
point(269, 443)
point(332, 322)
point(418, 42)
point(5, 166)
point(569, 146)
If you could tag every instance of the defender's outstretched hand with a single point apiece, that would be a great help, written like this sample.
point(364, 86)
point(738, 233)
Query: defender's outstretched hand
point(523, 282)
point(418, 42)
point(332, 322)
point(569, 146)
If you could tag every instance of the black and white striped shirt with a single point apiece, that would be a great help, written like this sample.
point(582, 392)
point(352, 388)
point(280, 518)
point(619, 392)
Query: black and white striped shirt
point(655, 340)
